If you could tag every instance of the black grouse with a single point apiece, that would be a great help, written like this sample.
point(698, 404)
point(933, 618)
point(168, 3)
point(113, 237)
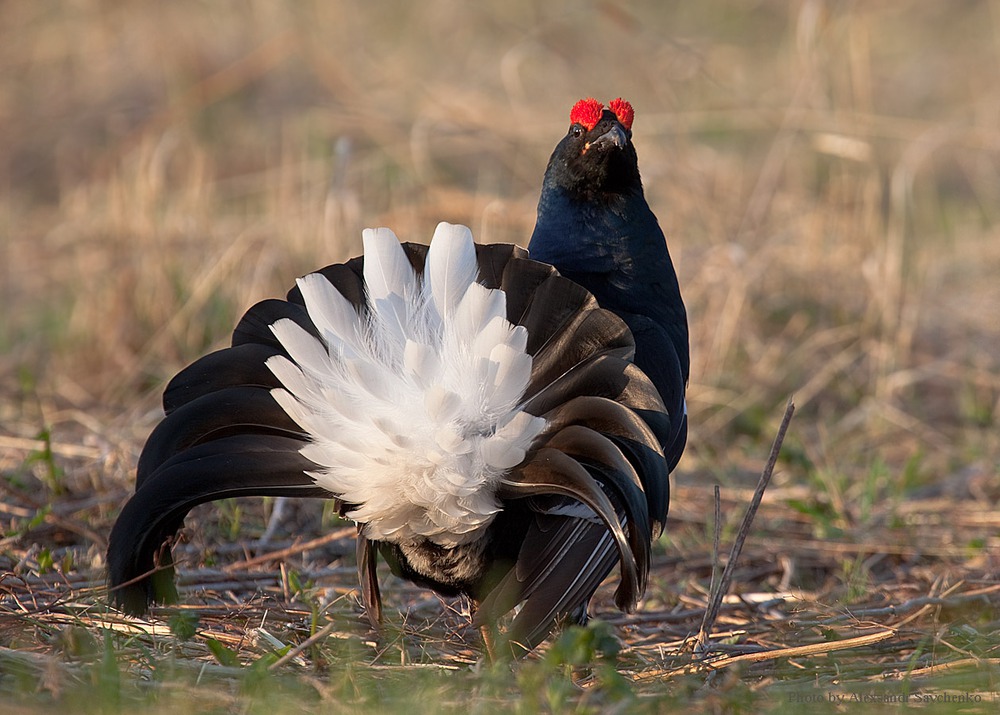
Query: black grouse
point(498, 423)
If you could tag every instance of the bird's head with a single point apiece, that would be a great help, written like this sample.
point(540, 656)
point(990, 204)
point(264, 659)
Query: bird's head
point(596, 158)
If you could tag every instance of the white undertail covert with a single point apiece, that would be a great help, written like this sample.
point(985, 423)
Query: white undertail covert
point(413, 408)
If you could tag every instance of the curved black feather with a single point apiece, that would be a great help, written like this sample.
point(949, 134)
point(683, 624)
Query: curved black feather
point(550, 471)
point(597, 452)
point(554, 304)
point(656, 355)
point(230, 410)
point(493, 260)
point(244, 465)
point(631, 435)
point(255, 326)
point(588, 333)
point(231, 367)
point(606, 375)
point(562, 562)
point(346, 277)
point(521, 276)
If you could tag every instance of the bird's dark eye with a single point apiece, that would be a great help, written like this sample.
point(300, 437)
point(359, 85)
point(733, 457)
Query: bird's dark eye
point(576, 130)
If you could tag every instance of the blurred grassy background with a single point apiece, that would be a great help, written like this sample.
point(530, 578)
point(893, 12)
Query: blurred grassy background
point(826, 173)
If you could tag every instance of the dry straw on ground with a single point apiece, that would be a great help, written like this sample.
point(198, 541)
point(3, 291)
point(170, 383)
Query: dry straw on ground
point(827, 174)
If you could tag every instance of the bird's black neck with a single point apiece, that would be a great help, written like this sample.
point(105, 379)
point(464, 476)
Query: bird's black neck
point(613, 247)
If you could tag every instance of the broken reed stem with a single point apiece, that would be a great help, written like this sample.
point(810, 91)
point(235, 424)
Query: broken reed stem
point(720, 589)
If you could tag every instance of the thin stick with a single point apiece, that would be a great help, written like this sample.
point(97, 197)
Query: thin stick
point(716, 538)
point(715, 600)
point(347, 531)
point(317, 636)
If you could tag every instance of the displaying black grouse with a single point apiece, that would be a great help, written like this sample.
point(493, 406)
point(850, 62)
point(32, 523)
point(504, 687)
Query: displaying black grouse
point(497, 424)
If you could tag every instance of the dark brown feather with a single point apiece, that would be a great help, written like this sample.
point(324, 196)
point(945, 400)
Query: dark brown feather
point(596, 451)
point(549, 471)
point(631, 435)
point(255, 326)
point(243, 465)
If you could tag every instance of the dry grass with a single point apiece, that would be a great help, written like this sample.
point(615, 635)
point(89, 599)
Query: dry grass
point(827, 174)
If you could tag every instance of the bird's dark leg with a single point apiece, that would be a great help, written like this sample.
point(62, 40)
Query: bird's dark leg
point(488, 631)
point(368, 578)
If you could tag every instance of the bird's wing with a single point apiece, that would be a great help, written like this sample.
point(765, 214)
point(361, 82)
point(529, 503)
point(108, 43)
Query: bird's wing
point(567, 552)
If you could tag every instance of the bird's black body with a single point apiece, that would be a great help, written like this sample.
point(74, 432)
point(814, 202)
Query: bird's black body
point(595, 227)
point(607, 376)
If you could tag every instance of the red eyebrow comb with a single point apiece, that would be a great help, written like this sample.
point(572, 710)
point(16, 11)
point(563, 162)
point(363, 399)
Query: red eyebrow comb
point(623, 110)
point(586, 112)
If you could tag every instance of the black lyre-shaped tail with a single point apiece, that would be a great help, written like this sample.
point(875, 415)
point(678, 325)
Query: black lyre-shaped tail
point(592, 491)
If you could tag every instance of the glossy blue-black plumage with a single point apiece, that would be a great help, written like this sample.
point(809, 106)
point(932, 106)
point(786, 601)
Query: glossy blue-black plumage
point(595, 226)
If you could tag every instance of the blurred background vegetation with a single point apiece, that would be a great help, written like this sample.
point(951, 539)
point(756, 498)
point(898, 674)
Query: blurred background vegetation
point(826, 173)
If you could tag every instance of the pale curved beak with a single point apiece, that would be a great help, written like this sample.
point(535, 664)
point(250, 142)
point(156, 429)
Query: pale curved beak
point(615, 137)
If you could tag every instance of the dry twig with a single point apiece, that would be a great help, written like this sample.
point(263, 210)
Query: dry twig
point(721, 588)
